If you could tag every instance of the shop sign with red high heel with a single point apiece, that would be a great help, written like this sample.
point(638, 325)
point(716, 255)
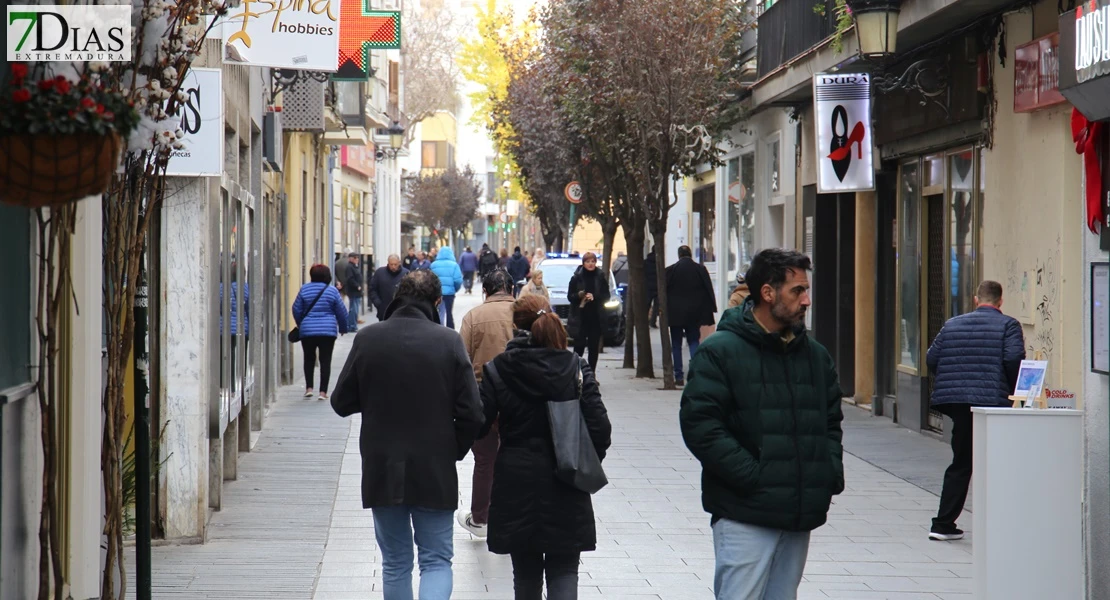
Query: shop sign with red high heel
point(842, 103)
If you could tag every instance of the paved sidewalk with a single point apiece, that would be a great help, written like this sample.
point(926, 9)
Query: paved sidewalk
point(280, 536)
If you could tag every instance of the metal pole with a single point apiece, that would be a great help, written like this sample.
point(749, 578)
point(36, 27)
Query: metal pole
point(142, 440)
point(570, 230)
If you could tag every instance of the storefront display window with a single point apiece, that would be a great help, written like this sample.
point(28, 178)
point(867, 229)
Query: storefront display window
point(960, 232)
point(741, 213)
point(15, 327)
point(909, 267)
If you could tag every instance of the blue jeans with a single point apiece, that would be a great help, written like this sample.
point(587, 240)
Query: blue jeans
point(352, 314)
point(692, 336)
point(447, 311)
point(394, 527)
point(757, 563)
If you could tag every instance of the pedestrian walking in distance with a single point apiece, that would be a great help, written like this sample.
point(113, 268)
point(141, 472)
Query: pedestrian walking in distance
point(587, 292)
point(541, 522)
point(485, 331)
point(691, 303)
point(384, 282)
point(518, 266)
point(487, 261)
point(450, 276)
point(536, 286)
point(352, 286)
point(468, 262)
point(414, 385)
point(761, 411)
point(975, 359)
point(321, 316)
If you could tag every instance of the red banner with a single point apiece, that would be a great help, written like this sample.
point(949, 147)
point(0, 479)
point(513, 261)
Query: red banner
point(358, 158)
point(1037, 74)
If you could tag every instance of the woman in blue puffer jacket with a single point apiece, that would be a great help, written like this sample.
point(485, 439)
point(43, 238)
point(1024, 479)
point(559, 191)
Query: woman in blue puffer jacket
point(322, 317)
point(451, 280)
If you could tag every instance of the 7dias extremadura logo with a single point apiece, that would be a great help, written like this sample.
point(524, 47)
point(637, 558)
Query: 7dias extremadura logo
point(78, 33)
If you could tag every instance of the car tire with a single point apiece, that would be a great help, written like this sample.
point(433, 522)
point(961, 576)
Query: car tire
point(616, 340)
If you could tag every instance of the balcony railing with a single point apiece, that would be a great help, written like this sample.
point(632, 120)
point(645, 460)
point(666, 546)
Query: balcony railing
point(789, 28)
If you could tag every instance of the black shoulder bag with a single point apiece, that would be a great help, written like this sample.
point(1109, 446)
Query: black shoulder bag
point(576, 461)
point(295, 334)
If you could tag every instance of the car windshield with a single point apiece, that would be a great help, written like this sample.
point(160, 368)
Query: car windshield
point(556, 275)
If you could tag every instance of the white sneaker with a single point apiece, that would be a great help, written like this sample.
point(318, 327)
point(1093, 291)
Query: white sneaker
point(309, 393)
point(467, 522)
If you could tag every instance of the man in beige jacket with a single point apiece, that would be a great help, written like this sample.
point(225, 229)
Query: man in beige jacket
point(485, 331)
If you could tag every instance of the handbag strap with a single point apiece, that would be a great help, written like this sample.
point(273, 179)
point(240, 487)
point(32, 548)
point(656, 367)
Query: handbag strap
point(309, 309)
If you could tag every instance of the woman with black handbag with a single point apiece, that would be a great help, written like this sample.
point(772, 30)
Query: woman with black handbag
point(554, 432)
point(321, 317)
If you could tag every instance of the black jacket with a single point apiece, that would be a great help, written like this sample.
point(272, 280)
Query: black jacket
point(690, 298)
point(407, 262)
point(593, 282)
point(382, 287)
point(976, 357)
point(650, 270)
point(352, 286)
point(518, 267)
point(487, 262)
point(530, 510)
point(413, 383)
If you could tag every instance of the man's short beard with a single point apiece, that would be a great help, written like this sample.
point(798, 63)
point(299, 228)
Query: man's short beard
point(782, 315)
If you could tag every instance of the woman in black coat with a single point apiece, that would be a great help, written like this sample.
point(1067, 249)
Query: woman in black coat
point(541, 522)
point(587, 293)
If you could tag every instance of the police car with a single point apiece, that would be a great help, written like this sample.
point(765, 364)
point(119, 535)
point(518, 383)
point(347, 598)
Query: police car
point(558, 268)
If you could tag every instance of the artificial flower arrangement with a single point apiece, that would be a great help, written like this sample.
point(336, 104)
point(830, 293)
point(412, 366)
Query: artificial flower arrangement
point(60, 139)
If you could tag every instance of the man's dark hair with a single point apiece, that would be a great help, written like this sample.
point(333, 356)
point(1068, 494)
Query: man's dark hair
point(770, 267)
point(516, 249)
point(685, 252)
point(497, 282)
point(421, 285)
point(989, 292)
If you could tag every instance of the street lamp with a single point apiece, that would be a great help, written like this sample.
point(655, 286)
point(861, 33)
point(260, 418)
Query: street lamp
point(396, 140)
point(876, 26)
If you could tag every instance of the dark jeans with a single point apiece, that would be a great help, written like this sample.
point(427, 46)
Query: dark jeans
point(468, 281)
point(485, 454)
point(958, 476)
point(310, 345)
point(693, 338)
point(446, 312)
point(562, 576)
point(589, 336)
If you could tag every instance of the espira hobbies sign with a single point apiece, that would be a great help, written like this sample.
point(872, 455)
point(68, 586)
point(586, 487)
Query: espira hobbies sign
point(284, 34)
point(842, 106)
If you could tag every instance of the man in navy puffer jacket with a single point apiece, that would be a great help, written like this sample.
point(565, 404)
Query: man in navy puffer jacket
point(975, 359)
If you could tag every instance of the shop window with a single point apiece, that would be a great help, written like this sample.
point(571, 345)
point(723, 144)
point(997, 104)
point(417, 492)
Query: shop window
point(740, 177)
point(909, 267)
point(773, 176)
point(961, 276)
point(15, 302)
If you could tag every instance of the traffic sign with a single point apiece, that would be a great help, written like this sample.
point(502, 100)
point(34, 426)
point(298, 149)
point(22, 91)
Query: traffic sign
point(573, 192)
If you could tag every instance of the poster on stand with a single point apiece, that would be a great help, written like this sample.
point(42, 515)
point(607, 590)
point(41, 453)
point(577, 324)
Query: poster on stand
point(842, 107)
point(300, 35)
point(202, 119)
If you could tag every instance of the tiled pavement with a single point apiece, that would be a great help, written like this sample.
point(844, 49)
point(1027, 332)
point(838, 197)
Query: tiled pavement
point(654, 540)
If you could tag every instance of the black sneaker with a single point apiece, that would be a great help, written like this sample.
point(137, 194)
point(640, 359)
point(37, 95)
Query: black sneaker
point(946, 533)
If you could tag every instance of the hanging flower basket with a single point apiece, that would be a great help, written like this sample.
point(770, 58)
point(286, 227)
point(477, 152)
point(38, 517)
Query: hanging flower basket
point(38, 170)
point(60, 140)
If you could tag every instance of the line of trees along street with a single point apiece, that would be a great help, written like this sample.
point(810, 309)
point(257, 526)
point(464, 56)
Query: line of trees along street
point(624, 97)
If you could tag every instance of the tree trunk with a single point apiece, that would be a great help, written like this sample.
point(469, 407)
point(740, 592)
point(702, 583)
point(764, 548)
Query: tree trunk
point(629, 328)
point(659, 233)
point(634, 237)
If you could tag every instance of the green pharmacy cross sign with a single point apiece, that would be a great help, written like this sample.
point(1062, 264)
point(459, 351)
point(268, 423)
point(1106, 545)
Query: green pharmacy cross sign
point(360, 31)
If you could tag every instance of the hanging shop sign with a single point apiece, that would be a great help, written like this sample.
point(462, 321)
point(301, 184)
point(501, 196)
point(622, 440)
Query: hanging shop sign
point(360, 31)
point(358, 158)
point(285, 35)
point(202, 120)
point(1084, 58)
point(842, 103)
point(1037, 74)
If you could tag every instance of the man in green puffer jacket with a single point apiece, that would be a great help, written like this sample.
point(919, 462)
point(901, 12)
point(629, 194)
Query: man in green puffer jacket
point(761, 412)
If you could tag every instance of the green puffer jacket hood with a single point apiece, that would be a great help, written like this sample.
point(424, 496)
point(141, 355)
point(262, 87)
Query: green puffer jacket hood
point(763, 417)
